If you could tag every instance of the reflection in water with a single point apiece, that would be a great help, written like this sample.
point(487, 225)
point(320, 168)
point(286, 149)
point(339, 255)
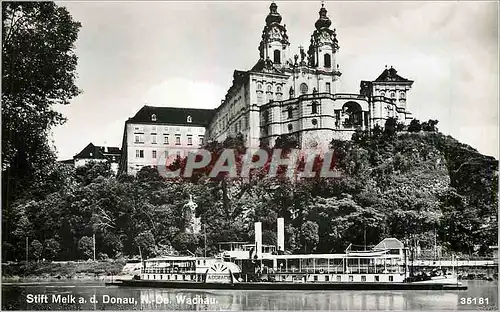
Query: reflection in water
point(114, 298)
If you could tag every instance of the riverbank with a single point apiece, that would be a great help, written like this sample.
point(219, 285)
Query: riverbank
point(68, 270)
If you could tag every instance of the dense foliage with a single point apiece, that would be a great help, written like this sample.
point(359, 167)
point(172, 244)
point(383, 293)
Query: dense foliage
point(393, 184)
point(38, 72)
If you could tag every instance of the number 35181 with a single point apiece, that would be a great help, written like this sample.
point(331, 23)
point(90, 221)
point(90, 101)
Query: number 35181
point(474, 300)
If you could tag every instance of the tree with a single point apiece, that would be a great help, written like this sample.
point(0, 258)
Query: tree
point(38, 72)
point(414, 126)
point(36, 249)
point(390, 126)
point(86, 247)
point(51, 249)
point(310, 235)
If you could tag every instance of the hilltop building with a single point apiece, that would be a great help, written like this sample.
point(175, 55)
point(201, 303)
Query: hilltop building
point(156, 133)
point(281, 94)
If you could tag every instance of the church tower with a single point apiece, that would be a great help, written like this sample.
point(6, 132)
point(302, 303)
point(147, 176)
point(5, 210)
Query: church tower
point(274, 44)
point(323, 48)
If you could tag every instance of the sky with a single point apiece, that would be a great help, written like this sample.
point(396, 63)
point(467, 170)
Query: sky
point(183, 54)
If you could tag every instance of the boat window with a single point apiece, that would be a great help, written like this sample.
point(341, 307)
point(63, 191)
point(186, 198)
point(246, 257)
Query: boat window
point(175, 276)
point(204, 262)
point(161, 276)
point(327, 278)
point(363, 278)
point(315, 278)
point(391, 278)
point(377, 278)
point(339, 278)
point(351, 278)
point(168, 276)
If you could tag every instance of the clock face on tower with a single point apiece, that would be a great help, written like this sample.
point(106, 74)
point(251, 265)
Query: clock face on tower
point(325, 36)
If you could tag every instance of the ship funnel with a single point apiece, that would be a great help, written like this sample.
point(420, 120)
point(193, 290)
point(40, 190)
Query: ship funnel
point(281, 234)
point(258, 239)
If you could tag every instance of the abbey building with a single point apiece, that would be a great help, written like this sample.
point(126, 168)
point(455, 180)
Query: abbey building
point(297, 94)
point(284, 93)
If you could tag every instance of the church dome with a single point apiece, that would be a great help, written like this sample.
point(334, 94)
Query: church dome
point(273, 16)
point(323, 21)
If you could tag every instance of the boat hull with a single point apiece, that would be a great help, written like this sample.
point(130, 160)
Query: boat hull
point(290, 286)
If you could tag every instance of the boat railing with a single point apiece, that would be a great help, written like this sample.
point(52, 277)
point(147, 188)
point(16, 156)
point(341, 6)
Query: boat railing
point(341, 270)
point(168, 270)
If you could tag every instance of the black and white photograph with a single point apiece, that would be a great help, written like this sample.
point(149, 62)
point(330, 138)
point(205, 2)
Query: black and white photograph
point(259, 155)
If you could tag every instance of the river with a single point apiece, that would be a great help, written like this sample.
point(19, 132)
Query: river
point(80, 296)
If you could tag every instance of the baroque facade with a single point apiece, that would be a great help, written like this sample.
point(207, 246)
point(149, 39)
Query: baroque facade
point(298, 96)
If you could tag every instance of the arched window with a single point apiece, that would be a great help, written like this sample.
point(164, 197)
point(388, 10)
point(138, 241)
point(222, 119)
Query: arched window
point(393, 95)
point(303, 88)
point(278, 89)
point(314, 107)
point(328, 60)
point(402, 95)
point(290, 112)
point(269, 88)
point(277, 57)
point(189, 119)
point(153, 117)
point(382, 93)
point(314, 122)
point(259, 86)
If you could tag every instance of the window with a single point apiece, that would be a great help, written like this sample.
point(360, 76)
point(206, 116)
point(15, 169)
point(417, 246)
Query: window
point(303, 88)
point(290, 112)
point(314, 107)
point(139, 138)
point(328, 88)
point(382, 93)
point(177, 140)
point(278, 89)
point(393, 95)
point(178, 154)
point(377, 278)
point(315, 278)
point(154, 154)
point(153, 128)
point(153, 117)
point(189, 130)
point(190, 141)
point(201, 140)
point(269, 88)
point(277, 57)
point(290, 127)
point(165, 139)
point(363, 278)
point(314, 122)
point(339, 278)
point(166, 129)
point(259, 86)
point(391, 278)
point(139, 153)
point(189, 119)
point(328, 60)
point(153, 139)
point(327, 278)
point(402, 95)
point(178, 129)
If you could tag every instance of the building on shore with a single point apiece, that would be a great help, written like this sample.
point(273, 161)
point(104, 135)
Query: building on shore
point(156, 133)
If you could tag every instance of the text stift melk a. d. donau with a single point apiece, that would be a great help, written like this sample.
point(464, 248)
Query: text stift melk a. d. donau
point(107, 299)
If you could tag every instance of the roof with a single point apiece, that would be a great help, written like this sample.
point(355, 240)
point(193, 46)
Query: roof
point(390, 75)
point(390, 243)
point(66, 161)
point(98, 152)
point(173, 115)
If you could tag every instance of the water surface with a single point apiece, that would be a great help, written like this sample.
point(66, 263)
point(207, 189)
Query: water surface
point(18, 297)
